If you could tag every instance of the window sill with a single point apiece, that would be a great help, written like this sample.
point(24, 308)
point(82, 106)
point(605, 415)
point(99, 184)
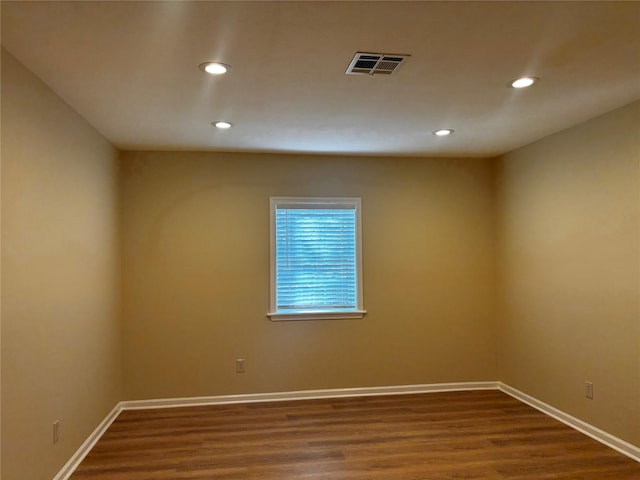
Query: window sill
point(283, 317)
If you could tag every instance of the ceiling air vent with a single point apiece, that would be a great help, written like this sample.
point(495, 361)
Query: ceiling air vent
point(375, 63)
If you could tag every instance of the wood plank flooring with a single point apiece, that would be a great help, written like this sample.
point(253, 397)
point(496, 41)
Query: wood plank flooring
point(435, 436)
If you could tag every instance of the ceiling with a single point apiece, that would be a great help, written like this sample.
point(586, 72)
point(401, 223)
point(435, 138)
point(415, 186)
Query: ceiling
point(131, 69)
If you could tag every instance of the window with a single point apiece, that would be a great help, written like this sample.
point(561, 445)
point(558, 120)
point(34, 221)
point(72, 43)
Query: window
point(316, 267)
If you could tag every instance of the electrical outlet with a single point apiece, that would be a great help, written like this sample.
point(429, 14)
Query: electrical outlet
point(588, 390)
point(56, 431)
point(240, 365)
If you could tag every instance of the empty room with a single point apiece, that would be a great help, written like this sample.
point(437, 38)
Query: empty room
point(320, 240)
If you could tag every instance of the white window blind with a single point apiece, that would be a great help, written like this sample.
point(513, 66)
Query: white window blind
point(315, 256)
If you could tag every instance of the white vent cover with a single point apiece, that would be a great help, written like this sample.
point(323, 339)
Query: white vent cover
point(375, 63)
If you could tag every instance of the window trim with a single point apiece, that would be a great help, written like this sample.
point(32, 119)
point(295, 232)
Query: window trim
point(333, 202)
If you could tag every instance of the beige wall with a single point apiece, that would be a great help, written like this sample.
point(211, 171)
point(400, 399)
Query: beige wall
point(61, 336)
point(196, 274)
point(570, 267)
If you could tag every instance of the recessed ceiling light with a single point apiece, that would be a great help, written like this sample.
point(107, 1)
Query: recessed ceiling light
point(222, 125)
point(523, 82)
point(443, 132)
point(214, 68)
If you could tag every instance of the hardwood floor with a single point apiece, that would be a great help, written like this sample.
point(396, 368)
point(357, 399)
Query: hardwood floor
point(456, 435)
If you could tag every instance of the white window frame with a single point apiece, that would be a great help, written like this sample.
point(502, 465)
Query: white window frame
point(331, 202)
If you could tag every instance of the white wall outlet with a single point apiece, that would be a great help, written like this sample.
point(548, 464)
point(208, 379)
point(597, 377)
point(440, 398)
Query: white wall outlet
point(588, 390)
point(240, 365)
point(56, 431)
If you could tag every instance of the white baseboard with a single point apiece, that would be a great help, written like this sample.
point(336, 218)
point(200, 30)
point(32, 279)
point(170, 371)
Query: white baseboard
point(88, 444)
point(601, 436)
point(594, 432)
point(308, 395)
